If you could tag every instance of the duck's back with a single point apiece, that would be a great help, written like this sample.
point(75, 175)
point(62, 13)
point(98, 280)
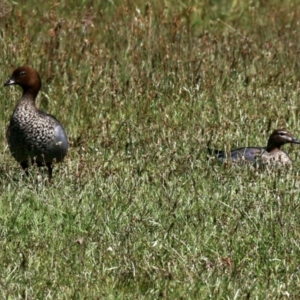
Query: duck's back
point(240, 155)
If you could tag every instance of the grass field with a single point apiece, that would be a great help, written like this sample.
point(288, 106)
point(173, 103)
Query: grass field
point(137, 210)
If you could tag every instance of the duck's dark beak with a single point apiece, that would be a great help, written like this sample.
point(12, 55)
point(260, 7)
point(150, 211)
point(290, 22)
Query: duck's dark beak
point(295, 141)
point(9, 82)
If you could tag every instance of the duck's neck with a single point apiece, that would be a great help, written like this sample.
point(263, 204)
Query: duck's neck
point(272, 146)
point(29, 95)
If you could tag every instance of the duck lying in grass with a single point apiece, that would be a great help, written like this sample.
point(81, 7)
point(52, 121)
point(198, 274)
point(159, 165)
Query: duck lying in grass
point(269, 155)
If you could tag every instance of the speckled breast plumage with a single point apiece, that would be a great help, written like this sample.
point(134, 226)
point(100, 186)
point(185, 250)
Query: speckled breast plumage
point(32, 134)
point(279, 158)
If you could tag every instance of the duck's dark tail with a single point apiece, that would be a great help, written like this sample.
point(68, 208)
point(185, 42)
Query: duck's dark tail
point(215, 152)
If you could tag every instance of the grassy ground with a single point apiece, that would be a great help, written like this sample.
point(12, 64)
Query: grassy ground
point(137, 211)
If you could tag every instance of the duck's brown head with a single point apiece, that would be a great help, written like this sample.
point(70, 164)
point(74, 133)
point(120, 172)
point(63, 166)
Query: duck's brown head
point(280, 137)
point(27, 78)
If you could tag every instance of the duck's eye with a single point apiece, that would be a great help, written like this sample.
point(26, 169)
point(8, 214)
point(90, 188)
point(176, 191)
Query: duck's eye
point(22, 73)
point(281, 133)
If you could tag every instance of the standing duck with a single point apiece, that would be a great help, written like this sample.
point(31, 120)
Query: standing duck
point(269, 155)
point(32, 135)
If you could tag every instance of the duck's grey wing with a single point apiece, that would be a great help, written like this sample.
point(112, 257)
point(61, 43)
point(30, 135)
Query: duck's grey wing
point(246, 154)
